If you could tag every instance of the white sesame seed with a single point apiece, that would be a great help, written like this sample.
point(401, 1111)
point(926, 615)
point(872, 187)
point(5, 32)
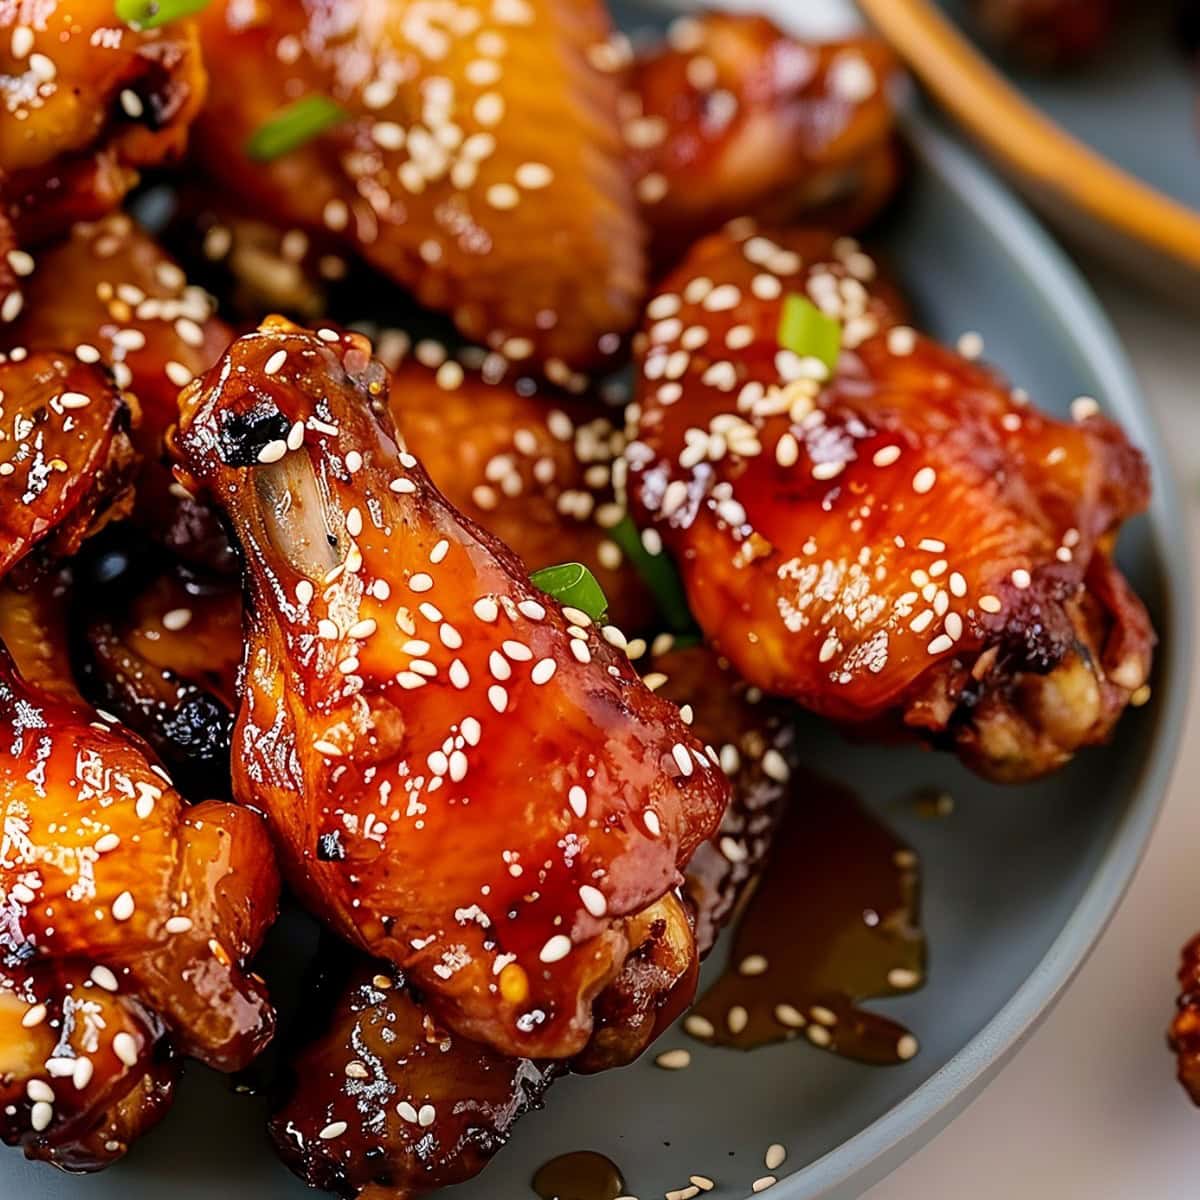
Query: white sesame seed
point(577, 799)
point(34, 1015)
point(940, 644)
point(486, 609)
point(761, 1185)
point(753, 964)
point(593, 900)
point(125, 1047)
point(272, 452)
point(421, 582)
point(407, 1112)
point(275, 362)
point(556, 949)
point(543, 670)
point(970, 345)
point(81, 1073)
point(178, 924)
point(652, 823)
point(901, 341)
point(906, 1047)
point(990, 604)
point(108, 842)
point(123, 907)
point(102, 977)
point(924, 480)
point(40, 1116)
point(674, 1060)
point(176, 619)
point(1021, 578)
point(426, 1116)
point(737, 1018)
point(683, 760)
point(954, 626)
point(497, 697)
point(333, 1130)
point(39, 1090)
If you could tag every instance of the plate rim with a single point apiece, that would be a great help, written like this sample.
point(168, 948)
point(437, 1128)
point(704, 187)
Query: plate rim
point(875, 1151)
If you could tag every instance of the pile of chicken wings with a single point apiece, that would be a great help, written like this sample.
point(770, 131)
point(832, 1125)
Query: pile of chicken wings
point(312, 317)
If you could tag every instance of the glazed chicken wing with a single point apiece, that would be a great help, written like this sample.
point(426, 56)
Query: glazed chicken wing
point(161, 653)
point(88, 100)
point(125, 923)
point(109, 293)
point(906, 538)
point(65, 457)
point(529, 465)
point(406, 686)
point(474, 155)
point(1184, 1037)
point(381, 1102)
point(733, 117)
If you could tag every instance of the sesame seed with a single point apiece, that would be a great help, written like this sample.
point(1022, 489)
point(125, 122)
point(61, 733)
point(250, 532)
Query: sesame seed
point(775, 1157)
point(40, 1116)
point(683, 760)
point(954, 626)
point(761, 1185)
point(652, 823)
point(753, 964)
point(543, 670)
point(272, 452)
point(698, 1026)
point(534, 175)
point(990, 604)
point(82, 1070)
point(924, 480)
point(34, 1016)
point(903, 977)
point(178, 924)
point(970, 345)
point(407, 1112)
point(907, 1047)
point(790, 1016)
point(737, 1018)
point(1021, 578)
point(426, 1116)
point(125, 1047)
point(901, 341)
point(594, 900)
point(176, 619)
point(556, 949)
point(333, 1130)
point(421, 582)
point(577, 799)
point(497, 697)
point(503, 196)
point(39, 1090)
point(123, 907)
point(275, 362)
point(107, 843)
point(674, 1060)
point(103, 978)
point(486, 609)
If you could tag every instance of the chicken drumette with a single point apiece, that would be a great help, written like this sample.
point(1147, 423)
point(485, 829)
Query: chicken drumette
point(381, 1101)
point(875, 525)
point(127, 919)
point(404, 682)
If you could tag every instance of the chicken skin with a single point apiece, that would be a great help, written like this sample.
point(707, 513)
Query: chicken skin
point(473, 156)
point(161, 652)
point(381, 1102)
point(732, 117)
point(110, 293)
point(65, 457)
point(530, 465)
point(88, 101)
point(905, 540)
point(127, 921)
point(390, 643)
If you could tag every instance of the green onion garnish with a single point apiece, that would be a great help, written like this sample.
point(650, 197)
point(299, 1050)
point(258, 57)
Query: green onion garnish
point(659, 575)
point(574, 585)
point(805, 330)
point(150, 14)
point(294, 125)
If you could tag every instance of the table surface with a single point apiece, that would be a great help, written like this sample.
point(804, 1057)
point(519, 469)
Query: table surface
point(1089, 1106)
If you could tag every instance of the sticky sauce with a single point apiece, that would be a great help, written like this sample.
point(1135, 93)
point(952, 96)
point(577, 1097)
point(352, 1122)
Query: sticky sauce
point(833, 921)
point(582, 1175)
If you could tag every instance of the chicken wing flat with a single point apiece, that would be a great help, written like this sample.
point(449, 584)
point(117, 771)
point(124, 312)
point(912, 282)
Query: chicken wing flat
point(381, 1102)
point(905, 538)
point(531, 466)
point(162, 655)
point(126, 922)
point(732, 117)
point(109, 293)
point(391, 645)
point(473, 156)
point(88, 101)
point(65, 456)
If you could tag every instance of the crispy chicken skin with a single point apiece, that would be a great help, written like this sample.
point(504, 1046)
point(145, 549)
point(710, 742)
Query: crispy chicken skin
point(479, 165)
point(732, 117)
point(391, 645)
point(424, 1108)
point(110, 294)
point(907, 541)
point(530, 465)
point(87, 102)
point(65, 458)
point(127, 921)
point(161, 653)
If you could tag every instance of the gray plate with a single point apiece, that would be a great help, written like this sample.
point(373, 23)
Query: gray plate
point(1018, 883)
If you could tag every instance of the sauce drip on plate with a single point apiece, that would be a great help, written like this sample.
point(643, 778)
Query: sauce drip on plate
point(581, 1175)
point(832, 921)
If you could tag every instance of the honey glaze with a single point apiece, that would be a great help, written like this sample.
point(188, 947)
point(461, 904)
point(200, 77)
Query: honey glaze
point(581, 1175)
point(832, 921)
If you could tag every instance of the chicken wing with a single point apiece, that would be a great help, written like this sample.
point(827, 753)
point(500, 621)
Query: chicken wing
point(732, 117)
point(530, 465)
point(472, 154)
point(1184, 1037)
point(34, 631)
point(904, 539)
point(382, 1102)
point(162, 653)
point(88, 101)
point(125, 923)
point(65, 456)
point(1048, 33)
point(391, 645)
point(111, 294)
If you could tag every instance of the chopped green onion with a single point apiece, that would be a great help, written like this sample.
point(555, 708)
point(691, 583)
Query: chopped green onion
point(805, 330)
point(293, 126)
point(150, 14)
point(572, 584)
point(659, 575)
